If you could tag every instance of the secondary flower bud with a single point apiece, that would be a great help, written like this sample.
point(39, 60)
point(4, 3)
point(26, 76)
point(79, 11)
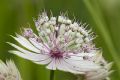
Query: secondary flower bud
point(8, 71)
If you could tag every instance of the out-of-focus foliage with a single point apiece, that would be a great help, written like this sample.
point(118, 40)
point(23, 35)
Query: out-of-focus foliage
point(102, 15)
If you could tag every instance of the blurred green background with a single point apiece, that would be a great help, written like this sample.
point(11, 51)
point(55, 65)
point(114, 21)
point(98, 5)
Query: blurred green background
point(103, 16)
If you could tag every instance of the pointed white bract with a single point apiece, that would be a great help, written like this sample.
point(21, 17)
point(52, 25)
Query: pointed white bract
point(8, 71)
point(61, 44)
point(102, 73)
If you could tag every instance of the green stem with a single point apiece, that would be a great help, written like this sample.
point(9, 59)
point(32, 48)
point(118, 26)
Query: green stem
point(80, 77)
point(51, 74)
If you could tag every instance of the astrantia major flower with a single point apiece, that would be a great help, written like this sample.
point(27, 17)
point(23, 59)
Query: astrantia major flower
point(9, 71)
point(61, 43)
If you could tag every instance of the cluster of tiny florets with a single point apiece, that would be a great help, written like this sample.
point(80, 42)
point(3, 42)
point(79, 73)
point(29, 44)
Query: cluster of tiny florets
point(62, 44)
point(66, 31)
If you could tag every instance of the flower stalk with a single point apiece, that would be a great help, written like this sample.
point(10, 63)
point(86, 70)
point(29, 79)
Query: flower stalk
point(51, 74)
point(80, 77)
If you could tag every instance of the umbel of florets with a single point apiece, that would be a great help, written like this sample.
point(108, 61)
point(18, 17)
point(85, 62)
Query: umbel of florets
point(60, 44)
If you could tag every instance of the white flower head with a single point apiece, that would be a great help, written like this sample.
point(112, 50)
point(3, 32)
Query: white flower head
point(9, 71)
point(61, 44)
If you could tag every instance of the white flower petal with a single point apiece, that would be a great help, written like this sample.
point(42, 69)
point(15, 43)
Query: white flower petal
point(70, 68)
point(45, 61)
point(82, 54)
point(24, 42)
point(33, 57)
point(39, 45)
point(101, 73)
point(98, 75)
point(3, 67)
point(83, 65)
point(60, 65)
point(52, 65)
point(21, 49)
